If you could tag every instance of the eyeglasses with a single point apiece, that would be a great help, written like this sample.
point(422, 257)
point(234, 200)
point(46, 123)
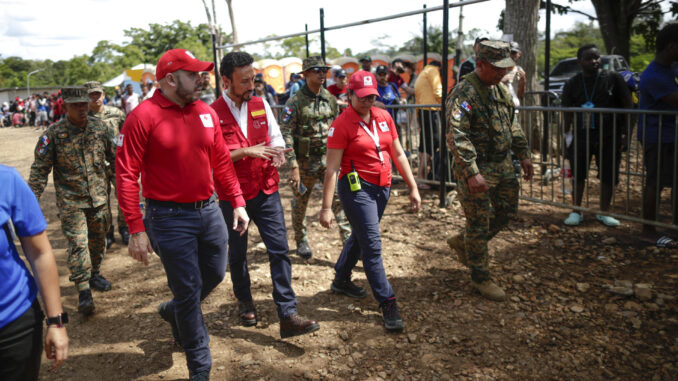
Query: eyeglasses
point(317, 70)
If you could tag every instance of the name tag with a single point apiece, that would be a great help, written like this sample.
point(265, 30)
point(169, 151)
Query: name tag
point(207, 120)
point(258, 113)
point(383, 126)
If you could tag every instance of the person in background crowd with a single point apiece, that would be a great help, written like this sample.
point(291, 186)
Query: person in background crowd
point(130, 100)
point(482, 131)
point(257, 147)
point(397, 68)
point(144, 91)
point(366, 63)
point(175, 140)
point(307, 116)
point(515, 78)
point(339, 88)
point(59, 109)
point(388, 91)
point(21, 317)
point(43, 117)
point(33, 110)
point(595, 88)
point(659, 92)
point(261, 92)
point(333, 76)
point(360, 146)
point(269, 88)
point(470, 64)
point(77, 149)
point(428, 90)
point(114, 118)
point(207, 94)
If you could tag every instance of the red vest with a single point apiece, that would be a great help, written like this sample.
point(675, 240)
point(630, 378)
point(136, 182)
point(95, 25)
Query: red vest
point(254, 174)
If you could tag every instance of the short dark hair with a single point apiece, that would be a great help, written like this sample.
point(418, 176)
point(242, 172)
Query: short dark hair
point(233, 60)
point(435, 63)
point(667, 35)
point(580, 51)
point(395, 61)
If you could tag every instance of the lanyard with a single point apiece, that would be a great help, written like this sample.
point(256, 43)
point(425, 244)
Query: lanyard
point(593, 91)
point(375, 138)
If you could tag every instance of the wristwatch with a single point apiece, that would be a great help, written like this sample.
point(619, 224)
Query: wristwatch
point(58, 320)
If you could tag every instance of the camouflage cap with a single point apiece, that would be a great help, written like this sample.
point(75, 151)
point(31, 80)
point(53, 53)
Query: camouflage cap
point(313, 61)
point(74, 94)
point(93, 86)
point(496, 52)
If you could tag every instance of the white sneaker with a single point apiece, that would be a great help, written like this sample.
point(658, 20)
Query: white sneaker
point(574, 219)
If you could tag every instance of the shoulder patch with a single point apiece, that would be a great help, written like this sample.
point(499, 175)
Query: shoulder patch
point(287, 114)
point(466, 106)
point(62, 135)
point(457, 114)
point(42, 146)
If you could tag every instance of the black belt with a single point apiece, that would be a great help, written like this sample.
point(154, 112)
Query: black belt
point(184, 205)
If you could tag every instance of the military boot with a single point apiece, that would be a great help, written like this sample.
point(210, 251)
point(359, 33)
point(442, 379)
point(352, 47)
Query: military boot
point(304, 250)
point(490, 290)
point(85, 302)
point(124, 235)
point(110, 238)
point(456, 243)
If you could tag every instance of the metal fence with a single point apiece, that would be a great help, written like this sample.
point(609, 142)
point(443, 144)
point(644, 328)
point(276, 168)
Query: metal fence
point(605, 139)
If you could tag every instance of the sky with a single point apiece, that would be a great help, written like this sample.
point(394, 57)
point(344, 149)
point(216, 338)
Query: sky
point(59, 30)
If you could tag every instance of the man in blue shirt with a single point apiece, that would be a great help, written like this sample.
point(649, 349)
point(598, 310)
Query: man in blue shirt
point(388, 91)
point(659, 92)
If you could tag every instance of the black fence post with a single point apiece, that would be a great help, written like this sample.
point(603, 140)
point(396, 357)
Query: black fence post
point(308, 53)
point(216, 65)
point(444, 162)
point(322, 33)
point(425, 42)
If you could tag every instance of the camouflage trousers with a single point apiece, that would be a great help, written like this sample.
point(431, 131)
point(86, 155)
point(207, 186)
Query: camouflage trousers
point(300, 204)
point(85, 231)
point(121, 219)
point(487, 213)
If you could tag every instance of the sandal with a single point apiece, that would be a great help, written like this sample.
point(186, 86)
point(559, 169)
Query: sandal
point(667, 242)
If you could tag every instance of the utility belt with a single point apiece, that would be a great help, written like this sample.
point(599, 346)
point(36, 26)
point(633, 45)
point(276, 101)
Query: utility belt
point(303, 148)
point(182, 205)
point(492, 157)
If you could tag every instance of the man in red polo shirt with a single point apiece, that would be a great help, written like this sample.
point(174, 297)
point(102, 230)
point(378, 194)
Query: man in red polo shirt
point(176, 143)
point(257, 149)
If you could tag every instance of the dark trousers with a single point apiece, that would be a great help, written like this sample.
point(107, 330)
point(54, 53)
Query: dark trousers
point(192, 246)
point(364, 209)
point(266, 211)
point(21, 346)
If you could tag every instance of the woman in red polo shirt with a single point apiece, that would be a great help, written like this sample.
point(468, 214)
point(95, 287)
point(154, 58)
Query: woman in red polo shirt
point(362, 142)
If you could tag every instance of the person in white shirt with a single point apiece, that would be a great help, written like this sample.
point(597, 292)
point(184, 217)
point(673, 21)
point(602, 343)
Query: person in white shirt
point(131, 99)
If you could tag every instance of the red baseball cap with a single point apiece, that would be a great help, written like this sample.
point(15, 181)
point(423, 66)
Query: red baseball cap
point(179, 59)
point(363, 83)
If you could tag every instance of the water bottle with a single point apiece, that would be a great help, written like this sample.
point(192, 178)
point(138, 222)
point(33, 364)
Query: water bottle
point(566, 173)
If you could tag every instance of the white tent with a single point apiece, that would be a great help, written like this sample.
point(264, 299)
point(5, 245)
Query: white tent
point(125, 75)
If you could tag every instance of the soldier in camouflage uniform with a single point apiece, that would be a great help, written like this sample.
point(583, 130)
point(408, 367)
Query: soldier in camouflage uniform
point(114, 119)
point(77, 148)
point(307, 116)
point(482, 132)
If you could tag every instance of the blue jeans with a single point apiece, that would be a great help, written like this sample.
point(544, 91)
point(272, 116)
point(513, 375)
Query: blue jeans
point(192, 246)
point(364, 209)
point(266, 211)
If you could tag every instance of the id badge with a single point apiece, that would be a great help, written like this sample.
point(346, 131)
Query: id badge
point(354, 181)
point(588, 104)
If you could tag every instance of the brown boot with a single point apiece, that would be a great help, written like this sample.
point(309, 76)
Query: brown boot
point(456, 243)
point(248, 314)
point(490, 290)
point(296, 325)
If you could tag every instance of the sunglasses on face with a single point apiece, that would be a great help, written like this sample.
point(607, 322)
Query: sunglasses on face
point(317, 70)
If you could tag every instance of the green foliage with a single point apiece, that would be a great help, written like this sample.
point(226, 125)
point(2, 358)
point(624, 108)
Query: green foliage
point(108, 59)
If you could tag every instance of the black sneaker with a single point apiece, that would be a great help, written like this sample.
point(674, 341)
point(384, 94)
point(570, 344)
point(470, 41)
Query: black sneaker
point(392, 320)
point(99, 283)
point(110, 238)
point(124, 235)
point(348, 288)
point(85, 302)
point(168, 316)
point(303, 250)
point(202, 376)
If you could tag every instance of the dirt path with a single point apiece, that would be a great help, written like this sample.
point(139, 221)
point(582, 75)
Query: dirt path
point(562, 321)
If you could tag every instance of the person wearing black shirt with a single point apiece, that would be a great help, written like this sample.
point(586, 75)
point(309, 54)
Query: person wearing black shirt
point(595, 134)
